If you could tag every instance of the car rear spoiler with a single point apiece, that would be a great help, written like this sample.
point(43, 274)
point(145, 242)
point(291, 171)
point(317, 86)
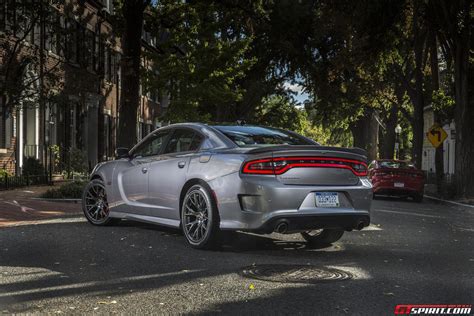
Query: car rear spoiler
point(352, 150)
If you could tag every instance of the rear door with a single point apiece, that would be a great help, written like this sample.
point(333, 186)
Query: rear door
point(167, 175)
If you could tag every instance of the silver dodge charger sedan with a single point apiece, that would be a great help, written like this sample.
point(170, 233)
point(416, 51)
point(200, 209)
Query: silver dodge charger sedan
point(207, 180)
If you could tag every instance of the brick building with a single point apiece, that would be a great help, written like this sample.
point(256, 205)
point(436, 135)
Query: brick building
point(66, 60)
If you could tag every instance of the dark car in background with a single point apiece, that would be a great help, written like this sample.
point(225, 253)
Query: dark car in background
point(396, 178)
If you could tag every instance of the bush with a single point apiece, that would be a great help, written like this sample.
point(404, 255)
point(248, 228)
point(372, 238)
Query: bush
point(78, 161)
point(71, 190)
point(4, 173)
point(32, 167)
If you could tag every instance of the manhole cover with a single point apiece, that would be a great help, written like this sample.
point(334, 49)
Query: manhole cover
point(294, 273)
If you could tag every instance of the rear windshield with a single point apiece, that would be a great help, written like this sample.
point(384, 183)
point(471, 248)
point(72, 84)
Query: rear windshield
point(396, 164)
point(251, 136)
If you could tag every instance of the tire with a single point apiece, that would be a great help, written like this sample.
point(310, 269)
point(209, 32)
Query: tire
point(323, 236)
point(200, 218)
point(418, 198)
point(95, 205)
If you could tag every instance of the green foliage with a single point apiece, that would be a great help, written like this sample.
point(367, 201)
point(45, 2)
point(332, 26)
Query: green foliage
point(71, 190)
point(443, 105)
point(280, 111)
point(78, 161)
point(56, 153)
point(3, 173)
point(32, 167)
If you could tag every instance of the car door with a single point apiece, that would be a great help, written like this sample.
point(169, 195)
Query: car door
point(168, 173)
point(133, 180)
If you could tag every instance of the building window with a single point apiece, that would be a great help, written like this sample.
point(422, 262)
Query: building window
point(10, 16)
point(6, 125)
point(108, 136)
point(107, 63)
point(88, 60)
point(72, 37)
point(3, 15)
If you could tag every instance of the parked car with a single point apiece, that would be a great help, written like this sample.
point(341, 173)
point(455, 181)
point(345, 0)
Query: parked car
point(397, 178)
point(207, 180)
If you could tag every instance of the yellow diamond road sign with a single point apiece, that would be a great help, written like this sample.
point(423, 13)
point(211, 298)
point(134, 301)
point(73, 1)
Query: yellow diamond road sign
point(436, 135)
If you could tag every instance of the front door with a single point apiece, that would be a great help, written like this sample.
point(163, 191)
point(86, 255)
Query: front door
point(168, 174)
point(133, 180)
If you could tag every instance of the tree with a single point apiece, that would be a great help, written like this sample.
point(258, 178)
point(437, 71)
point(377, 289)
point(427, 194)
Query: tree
point(22, 71)
point(132, 15)
point(455, 24)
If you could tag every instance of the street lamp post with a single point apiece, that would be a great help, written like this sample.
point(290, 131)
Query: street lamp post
point(398, 130)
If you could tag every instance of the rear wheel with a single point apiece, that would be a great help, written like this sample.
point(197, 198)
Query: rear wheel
point(200, 218)
point(95, 205)
point(323, 236)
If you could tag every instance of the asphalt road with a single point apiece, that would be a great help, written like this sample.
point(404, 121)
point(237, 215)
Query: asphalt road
point(414, 253)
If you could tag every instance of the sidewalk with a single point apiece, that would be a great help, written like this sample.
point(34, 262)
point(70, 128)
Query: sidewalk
point(17, 207)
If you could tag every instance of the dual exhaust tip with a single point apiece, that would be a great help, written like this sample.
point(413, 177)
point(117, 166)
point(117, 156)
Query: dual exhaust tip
point(282, 226)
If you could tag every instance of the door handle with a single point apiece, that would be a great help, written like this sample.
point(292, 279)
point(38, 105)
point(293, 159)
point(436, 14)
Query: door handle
point(181, 164)
point(144, 170)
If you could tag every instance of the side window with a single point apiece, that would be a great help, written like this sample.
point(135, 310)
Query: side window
point(183, 140)
point(152, 145)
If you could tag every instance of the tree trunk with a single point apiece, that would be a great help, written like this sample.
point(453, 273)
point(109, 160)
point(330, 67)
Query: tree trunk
point(418, 99)
point(365, 134)
point(464, 118)
point(388, 151)
point(439, 161)
point(130, 71)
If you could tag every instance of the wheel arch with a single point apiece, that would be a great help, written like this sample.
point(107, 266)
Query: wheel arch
point(188, 185)
point(96, 177)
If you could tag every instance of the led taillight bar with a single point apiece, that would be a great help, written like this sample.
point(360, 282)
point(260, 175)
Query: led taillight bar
point(280, 165)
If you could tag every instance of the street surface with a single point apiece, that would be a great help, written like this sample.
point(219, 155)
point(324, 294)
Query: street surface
point(412, 254)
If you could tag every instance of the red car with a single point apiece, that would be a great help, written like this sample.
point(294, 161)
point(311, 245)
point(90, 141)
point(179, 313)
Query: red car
point(396, 177)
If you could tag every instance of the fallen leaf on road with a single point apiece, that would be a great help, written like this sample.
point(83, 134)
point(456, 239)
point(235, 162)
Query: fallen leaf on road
point(107, 303)
point(389, 294)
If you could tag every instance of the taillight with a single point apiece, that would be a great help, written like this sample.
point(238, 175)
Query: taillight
point(281, 165)
point(261, 166)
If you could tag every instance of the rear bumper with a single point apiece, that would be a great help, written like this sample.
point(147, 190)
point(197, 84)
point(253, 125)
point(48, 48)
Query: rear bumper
point(300, 223)
point(259, 203)
point(388, 187)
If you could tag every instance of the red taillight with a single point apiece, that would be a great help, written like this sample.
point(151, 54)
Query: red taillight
point(261, 166)
point(281, 165)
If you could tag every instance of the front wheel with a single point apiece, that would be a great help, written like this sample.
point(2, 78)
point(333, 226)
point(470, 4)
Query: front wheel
point(200, 218)
point(323, 236)
point(95, 205)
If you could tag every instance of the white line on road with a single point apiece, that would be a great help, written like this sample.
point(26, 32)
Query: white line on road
point(95, 283)
point(409, 213)
point(78, 219)
point(450, 202)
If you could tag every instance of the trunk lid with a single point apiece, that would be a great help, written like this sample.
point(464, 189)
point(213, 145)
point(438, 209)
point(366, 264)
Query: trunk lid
point(315, 165)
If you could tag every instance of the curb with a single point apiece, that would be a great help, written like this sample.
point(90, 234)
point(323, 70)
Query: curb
point(58, 200)
point(448, 202)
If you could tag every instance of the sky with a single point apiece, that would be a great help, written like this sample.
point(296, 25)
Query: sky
point(300, 96)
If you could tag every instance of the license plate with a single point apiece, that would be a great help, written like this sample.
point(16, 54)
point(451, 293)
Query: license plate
point(399, 184)
point(327, 199)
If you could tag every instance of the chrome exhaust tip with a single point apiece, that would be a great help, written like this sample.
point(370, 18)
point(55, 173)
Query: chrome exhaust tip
point(281, 228)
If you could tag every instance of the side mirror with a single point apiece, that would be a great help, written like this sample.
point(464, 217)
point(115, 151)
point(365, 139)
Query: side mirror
point(121, 152)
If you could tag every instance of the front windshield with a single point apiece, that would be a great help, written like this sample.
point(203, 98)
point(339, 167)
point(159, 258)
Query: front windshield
point(397, 164)
point(252, 136)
